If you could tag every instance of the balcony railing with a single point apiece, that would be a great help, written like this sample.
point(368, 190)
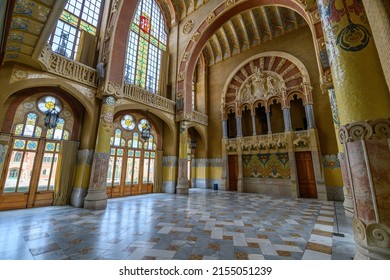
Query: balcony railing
point(142, 96)
point(67, 68)
point(199, 118)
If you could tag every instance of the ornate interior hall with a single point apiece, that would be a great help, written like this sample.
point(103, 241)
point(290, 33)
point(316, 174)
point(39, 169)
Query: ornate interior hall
point(195, 129)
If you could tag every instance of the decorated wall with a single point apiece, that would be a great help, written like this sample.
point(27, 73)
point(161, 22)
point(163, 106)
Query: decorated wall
point(274, 166)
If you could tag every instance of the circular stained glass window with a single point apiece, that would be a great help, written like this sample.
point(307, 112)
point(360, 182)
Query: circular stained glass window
point(48, 103)
point(143, 124)
point(128, 122)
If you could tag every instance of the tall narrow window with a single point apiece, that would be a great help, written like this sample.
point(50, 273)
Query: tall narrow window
point(147, 40)
point(78, 16)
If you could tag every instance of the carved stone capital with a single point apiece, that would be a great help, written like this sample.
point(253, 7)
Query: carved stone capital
point(108, 88)
point(368, 130)
point(373, 240)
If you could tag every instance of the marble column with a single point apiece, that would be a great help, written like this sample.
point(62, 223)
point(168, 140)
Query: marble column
point(224, 129)
point(239, 126)
point(309, 116)
point(96, 198)
point(363, 100)
point(287, 119)
point(182, 179)
point(268, 114)
point(254, 124)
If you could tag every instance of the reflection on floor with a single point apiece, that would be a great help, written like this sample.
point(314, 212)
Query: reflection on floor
point(206, 224)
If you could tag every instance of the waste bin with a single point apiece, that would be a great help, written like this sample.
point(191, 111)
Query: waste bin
point(215, 187)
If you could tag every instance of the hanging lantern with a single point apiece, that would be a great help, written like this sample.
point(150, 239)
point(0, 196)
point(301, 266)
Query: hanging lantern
point(51, 119)
point(193, 144)
point(145, 132)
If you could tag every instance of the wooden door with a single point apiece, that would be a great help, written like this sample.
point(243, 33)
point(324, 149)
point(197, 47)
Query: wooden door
point(306, 179)
point(233, 172)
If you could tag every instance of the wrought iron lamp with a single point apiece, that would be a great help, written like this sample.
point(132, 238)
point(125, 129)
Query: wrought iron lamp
point(145, 132)
point(51, 119)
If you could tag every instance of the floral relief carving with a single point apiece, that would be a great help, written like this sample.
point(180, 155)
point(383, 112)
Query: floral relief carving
point(195, 37)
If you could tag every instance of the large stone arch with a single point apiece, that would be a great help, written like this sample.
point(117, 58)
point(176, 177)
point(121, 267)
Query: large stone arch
point(214, 21)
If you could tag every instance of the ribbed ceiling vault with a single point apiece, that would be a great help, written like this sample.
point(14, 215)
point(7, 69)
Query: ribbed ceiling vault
point(249, 29)
point(186, 7)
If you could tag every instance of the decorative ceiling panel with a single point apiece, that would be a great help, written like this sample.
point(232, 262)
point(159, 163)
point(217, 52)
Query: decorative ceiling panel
point(28, 20)
point(252, 28)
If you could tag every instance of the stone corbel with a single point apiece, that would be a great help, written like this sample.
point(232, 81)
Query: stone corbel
point(108, 88)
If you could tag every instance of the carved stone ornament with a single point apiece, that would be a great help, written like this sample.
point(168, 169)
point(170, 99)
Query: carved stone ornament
point(210, 18)
point(260, 85)
point(368, 130)
point(185, 56)
point(195, 37)
point(230, 2)
point(302, 141)
point(373, 239)
point(20, 74)
point(181, 76)
point(188, 26)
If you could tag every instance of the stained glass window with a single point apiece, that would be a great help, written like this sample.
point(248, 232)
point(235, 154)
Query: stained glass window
point(78, 15)
point(128, 122)
point(147, 40)
point(48, 103)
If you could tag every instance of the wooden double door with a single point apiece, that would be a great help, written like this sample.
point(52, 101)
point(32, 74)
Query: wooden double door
point(306, 178)
point(130, 172)
point(29, 176)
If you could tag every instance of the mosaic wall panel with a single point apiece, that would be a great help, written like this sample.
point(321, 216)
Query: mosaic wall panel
point(274, 166)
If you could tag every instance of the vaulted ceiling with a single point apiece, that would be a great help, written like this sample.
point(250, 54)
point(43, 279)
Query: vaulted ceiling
point(186, 7)
point(249, 29)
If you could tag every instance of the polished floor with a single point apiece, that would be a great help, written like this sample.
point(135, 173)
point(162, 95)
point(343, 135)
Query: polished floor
point(206, 224)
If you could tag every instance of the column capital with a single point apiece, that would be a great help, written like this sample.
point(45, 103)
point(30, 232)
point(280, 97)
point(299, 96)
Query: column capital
point(108, 88)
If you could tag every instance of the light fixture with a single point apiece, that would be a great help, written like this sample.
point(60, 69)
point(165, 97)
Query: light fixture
point(193, 144)
point(145, 132)
point(51, 119)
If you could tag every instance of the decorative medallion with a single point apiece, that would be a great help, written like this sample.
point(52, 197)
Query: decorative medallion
point(128, 122)
point(188, 26)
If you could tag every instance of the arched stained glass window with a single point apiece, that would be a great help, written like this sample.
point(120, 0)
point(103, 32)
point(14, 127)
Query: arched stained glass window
point(147, 40)
point(78, 16)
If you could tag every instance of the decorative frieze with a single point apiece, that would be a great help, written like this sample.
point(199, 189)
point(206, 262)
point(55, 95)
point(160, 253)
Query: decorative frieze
point(85, 157)
point(199, 118)
point(188, 26)
point(301, 140)
point(331, 161)
point(67, 68)
point(368, 130)
point(169, 161)
point(207, 162)
point(140, 95)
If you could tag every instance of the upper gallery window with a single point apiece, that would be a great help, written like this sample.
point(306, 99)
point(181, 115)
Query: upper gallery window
point(147, 41)
point(79, 19)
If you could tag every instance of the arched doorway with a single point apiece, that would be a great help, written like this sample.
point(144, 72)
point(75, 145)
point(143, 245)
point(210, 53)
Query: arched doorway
point(40, 141)
point(131, 168)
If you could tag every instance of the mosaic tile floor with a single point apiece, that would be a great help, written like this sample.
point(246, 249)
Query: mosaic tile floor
point(207, 224)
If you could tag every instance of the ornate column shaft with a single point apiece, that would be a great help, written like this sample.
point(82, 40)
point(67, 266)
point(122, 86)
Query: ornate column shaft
point(182, 180)
point(310, 116)
point(362, 94)
point(254, 124)
point(268, 114)
point(287, 119)
point(239, 126)
point(97, 198)
point(224, 129)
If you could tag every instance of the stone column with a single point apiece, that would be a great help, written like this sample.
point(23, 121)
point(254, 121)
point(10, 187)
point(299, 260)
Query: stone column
point(254, 124)
point(96, 198)
point(268, 114)
point(363, 101)
point(239, 126)
point(182, 180)
point(309, 116)
point(287, 119)
point(224, 129)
